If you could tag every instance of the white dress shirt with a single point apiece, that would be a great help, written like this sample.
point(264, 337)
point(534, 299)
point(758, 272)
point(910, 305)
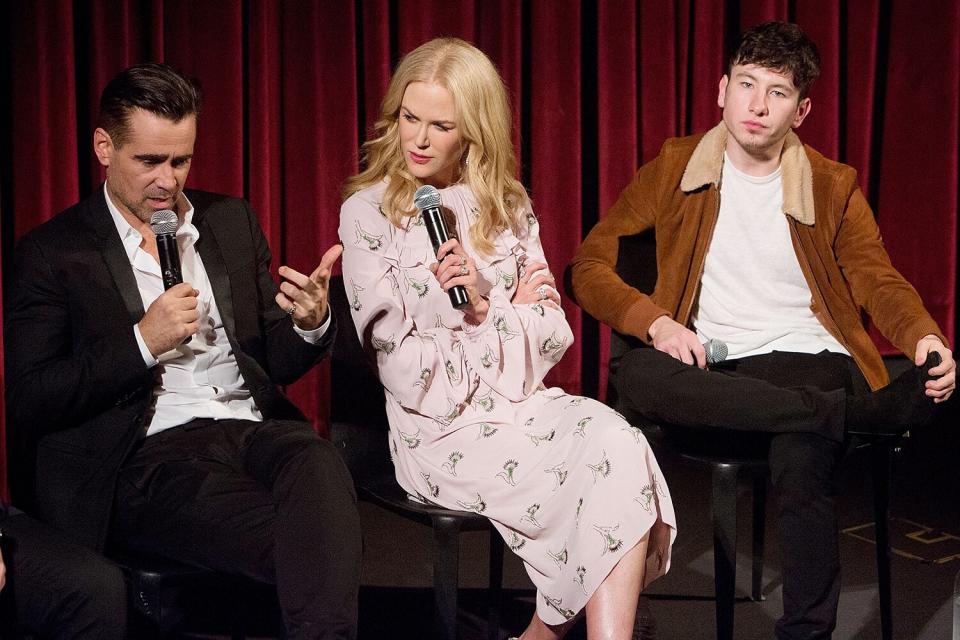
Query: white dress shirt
point(198, 379)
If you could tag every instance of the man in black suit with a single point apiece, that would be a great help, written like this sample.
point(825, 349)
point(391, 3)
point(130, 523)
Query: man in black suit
point(163, 431)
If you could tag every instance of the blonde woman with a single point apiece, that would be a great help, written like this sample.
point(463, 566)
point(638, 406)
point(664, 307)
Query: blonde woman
point(574, 490)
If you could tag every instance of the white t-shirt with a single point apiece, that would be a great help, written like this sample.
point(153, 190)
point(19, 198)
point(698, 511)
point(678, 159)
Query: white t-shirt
point(753, 295)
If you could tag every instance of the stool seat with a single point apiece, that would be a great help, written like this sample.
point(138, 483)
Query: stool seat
point(165, 591)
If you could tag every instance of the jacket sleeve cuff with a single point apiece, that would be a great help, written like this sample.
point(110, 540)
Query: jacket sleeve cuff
point(639, 317)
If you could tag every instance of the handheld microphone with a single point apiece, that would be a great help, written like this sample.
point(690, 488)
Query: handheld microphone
point(427, 201)
point(164, 225)
point(716, 351)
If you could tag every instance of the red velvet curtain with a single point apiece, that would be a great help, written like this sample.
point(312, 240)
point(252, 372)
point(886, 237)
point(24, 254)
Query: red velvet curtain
point(292, 88)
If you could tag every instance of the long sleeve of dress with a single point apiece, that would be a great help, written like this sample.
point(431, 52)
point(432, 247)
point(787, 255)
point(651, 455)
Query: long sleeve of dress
point(518, 344)
point(428, 360)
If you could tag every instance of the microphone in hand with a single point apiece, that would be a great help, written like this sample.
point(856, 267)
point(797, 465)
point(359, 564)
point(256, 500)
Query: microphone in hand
point(427, 201)
point(716, 351)
point(164, 226)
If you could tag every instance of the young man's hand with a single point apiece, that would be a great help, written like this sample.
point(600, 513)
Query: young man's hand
point(945, 374)
point(674, 339)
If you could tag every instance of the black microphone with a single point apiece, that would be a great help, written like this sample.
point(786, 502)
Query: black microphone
point(164, 225)
point(427, 200)
point(716, 351)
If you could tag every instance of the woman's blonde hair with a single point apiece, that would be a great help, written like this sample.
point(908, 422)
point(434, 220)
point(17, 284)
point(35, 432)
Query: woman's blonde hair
point(488, 164)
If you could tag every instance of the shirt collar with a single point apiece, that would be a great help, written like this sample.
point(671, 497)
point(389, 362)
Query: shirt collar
point(187, 234)
point(706, 163)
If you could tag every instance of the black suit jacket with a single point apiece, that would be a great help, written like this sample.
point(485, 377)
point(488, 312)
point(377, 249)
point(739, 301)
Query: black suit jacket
point(77, 386)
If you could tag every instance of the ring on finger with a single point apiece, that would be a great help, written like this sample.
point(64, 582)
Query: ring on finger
point(463, 260)
point(542, 290)
point(464, 270)
point(292, 310)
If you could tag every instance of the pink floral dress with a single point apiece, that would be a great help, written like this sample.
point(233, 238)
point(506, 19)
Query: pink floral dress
point(566, 480)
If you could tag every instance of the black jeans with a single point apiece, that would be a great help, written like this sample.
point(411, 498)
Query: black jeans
point(790, 405)
point(268, 500)
point(56, 588)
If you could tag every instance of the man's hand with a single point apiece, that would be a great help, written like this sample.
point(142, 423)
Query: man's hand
point(674, 339)
point(171, 319)
point(945, 381)
point(305, 297)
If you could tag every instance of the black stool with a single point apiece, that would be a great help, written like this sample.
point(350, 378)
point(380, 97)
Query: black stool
point(359, 430)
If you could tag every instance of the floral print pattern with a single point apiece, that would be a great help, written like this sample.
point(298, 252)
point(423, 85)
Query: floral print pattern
point(568, 483)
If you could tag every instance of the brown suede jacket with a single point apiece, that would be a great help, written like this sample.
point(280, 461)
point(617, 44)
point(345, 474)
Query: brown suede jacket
point(833, 230)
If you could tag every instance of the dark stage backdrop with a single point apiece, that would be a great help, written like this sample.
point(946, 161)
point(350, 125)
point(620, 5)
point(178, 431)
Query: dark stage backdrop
point(292, 88)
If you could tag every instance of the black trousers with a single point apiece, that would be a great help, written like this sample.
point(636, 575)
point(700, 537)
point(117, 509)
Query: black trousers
point(56, 588)
point(790, 405)
point(268, 500)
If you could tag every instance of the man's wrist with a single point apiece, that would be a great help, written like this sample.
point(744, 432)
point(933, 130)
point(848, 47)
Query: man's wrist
point(313, 336)
point(655, 326)
point(148, 358)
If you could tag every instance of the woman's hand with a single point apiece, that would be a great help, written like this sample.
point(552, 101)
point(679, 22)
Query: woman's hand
point(537, 285)
point(454, 267)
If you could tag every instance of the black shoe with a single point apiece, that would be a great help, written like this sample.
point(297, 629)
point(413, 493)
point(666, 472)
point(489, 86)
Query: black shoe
point(644, 625)
point(898, 407)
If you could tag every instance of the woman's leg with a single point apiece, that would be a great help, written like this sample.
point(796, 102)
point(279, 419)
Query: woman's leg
point(538, 630)
point(613, 606)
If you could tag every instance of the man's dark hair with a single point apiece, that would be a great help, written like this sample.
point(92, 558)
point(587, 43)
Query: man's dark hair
point(780, 47)
point(153, 87)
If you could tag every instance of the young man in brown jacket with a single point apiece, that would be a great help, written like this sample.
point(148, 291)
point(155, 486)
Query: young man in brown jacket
point(770, 248)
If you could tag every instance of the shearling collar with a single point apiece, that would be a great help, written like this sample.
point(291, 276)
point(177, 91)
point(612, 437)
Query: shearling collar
point(706, 163)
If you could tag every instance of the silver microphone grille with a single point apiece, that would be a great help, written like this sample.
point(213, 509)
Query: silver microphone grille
point(716, 351)
point(163, 222)
point(426, 197)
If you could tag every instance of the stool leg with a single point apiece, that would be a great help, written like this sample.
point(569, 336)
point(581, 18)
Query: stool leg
point(882, 458)
point(724, 505)
point(759, 519)
point(446, 569)
point(495, 593)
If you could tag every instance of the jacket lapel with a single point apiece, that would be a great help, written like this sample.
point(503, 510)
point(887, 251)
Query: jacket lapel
point(209, 250)
point(99, 224)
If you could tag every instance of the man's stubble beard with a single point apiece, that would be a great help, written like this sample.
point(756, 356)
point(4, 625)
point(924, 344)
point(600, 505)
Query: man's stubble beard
point(143, 212)
point(754, 146)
